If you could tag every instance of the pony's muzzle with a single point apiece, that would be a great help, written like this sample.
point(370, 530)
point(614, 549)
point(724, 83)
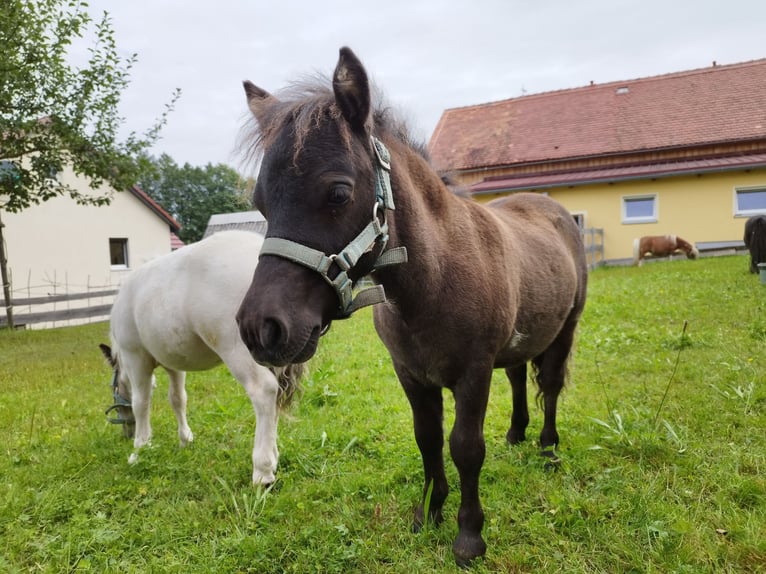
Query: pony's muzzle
point(272, 344)
point(267, 338)
point(283, 313)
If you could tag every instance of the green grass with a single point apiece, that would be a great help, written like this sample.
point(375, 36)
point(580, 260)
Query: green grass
point(663, 453)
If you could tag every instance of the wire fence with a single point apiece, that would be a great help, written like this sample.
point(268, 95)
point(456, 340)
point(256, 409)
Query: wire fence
point(56, 303)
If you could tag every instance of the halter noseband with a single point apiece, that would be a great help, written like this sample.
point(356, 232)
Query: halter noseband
point(375, 233)
point(119, 401)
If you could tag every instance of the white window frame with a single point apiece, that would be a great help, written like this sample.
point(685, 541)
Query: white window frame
point(748, 212)
point(123, 241)
point(645, 219)
point(580, 218)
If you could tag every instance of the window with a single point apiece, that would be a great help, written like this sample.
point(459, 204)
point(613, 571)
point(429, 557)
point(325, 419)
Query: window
point(9, 173)
point(639, 209)
point(579, 218)
point(749, 200)
point(118, 252)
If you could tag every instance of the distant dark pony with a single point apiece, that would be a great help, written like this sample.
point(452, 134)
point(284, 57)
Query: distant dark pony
point(661, 246)
point(468, 287)
point(755, 240)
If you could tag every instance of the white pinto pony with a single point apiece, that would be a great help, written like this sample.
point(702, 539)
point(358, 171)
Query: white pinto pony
point(177, 311)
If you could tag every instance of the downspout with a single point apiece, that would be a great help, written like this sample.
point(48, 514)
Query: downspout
point(5, 280)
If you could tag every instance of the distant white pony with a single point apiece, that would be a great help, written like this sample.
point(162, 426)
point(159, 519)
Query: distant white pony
point(177, 311)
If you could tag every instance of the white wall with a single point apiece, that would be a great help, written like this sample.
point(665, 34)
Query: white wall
point(62, 247)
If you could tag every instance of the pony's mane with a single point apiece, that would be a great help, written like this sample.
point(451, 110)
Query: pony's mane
point(303, 105)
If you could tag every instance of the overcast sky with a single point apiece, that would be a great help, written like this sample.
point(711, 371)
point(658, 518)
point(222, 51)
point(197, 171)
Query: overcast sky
point(426, 56)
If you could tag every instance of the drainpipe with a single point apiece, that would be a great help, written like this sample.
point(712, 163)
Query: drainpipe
point(5, 280)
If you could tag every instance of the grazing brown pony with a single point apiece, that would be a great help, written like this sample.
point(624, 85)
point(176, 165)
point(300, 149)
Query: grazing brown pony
point(755, 240)
point(661, 246)
point(346, 194)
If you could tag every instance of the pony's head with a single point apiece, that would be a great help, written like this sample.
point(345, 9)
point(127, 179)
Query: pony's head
point(320, 160)
point(121, 404)
point(691, 251)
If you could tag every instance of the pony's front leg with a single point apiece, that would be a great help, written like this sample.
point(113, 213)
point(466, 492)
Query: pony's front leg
point(139, 374)
point(467, 449)
point(427, 414)
point(177, 398)
point(262, 387)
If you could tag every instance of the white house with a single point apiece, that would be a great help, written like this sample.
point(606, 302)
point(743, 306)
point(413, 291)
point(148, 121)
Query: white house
point(72, 257)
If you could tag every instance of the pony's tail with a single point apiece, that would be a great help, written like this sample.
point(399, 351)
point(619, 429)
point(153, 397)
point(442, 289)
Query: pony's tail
point(636, 244)
point(758, 244)
point(289, 379)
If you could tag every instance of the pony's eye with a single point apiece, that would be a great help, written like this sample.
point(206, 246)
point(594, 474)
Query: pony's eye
point(339, 194)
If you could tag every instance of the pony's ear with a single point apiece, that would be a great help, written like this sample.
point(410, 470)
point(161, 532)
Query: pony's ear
point(352, 90)
point(107, 351)
point(258, 101)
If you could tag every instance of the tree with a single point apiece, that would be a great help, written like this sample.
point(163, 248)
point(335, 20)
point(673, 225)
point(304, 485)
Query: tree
point(53, 114)
point(192, 194)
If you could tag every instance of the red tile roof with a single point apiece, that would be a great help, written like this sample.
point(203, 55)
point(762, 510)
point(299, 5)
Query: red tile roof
point(175, 242)
point(708, 105)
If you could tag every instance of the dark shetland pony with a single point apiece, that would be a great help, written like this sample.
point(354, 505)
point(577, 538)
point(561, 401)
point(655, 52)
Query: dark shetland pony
point(661, 246)
point(485, 287)
point(755, 240)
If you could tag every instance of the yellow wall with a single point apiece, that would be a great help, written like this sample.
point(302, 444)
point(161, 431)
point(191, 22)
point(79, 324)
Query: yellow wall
point(699, 208)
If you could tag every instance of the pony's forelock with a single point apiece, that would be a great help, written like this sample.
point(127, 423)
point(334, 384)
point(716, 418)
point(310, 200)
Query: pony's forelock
point(304, 104)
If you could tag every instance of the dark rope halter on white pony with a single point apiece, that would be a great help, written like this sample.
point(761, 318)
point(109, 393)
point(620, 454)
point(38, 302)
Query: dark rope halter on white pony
point(119, 401)
point(375, 234)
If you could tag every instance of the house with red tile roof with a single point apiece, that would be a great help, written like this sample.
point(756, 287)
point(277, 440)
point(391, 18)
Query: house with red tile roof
point(76, 256)
point(681, 153)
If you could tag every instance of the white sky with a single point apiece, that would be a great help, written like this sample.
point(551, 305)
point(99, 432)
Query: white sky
point(426, 55)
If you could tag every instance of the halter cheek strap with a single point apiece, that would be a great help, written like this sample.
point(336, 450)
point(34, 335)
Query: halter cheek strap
point(375, 233)
point(119, 401)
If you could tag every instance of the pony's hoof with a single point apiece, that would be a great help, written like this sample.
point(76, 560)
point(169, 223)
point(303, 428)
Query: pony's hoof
point(133, 458)
point(515, 437)
point(264, 480)
point(186, 439)
point(468, 548)
point(553, 462)
point(434, 518)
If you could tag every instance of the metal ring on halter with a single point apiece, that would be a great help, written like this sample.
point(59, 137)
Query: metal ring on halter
point(375, 207)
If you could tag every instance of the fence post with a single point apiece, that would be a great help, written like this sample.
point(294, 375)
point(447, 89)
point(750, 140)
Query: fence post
point(4, 277)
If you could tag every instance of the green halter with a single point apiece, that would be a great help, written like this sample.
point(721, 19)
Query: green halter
point(376, 232)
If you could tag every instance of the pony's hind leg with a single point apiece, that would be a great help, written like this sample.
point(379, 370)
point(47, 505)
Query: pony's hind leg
point(177, 398)
point(551, 372)
point(520, 415)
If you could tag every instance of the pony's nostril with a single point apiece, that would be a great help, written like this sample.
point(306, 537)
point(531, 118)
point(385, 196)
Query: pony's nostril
point(271, 334)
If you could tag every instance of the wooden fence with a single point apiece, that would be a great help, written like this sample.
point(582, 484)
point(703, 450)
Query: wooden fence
point(59, 310)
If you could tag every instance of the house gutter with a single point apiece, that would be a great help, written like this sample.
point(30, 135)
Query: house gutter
point(618, 179)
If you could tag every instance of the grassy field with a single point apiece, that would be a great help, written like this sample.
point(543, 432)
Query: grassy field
point(663, 436)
